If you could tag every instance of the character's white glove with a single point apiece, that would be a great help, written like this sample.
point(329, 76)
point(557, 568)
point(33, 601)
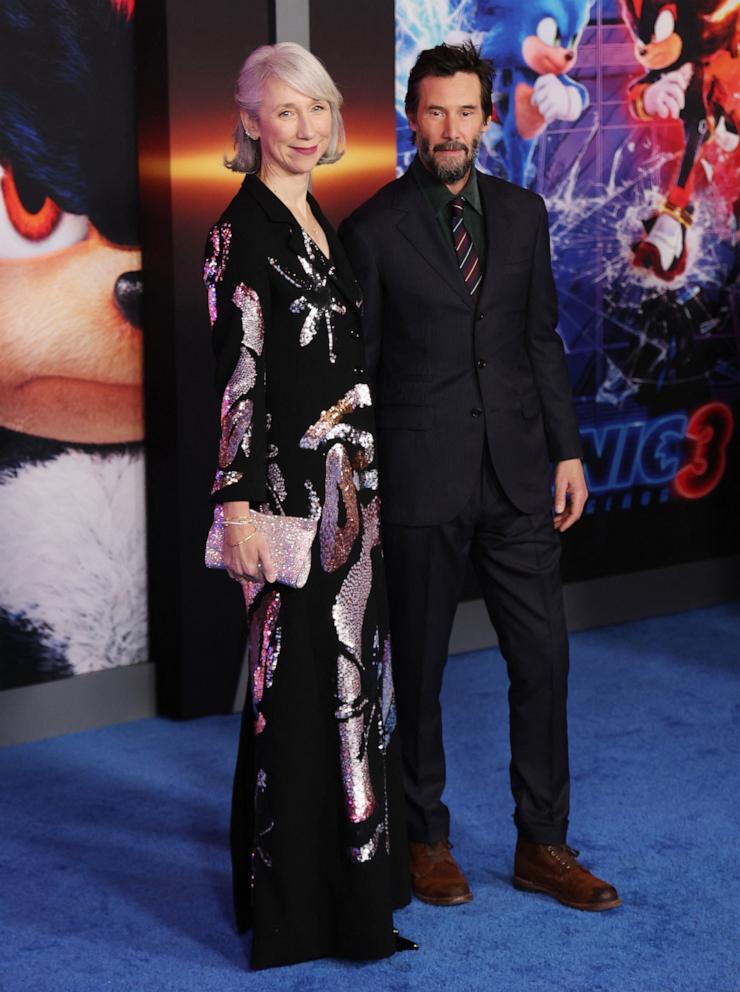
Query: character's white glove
point(556, 101)
point(727, 140)
point(666, 96)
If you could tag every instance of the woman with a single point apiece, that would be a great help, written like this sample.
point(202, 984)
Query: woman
point(318, 845)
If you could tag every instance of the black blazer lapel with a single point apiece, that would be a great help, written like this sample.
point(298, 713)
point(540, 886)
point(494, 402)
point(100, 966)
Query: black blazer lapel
point(338, 268)
point(499, 227)
point(275, 211)
point(421, 229)
point(341, 271)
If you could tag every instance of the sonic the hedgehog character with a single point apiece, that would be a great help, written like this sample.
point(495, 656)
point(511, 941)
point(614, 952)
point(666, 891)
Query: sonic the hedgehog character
point(689, 51)
point(72, 586)
point(533, 45)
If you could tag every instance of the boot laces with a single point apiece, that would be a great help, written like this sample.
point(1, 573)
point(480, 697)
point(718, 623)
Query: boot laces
point(440, 852)
point(565, 855)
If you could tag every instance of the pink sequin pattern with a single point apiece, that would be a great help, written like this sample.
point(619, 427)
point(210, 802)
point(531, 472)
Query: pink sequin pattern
point(349, 609)
point(213, 268)
point(336, 542)
point(264, 651)
point(348, 614)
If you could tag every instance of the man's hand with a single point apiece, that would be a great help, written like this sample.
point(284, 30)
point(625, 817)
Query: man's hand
point(570, 493)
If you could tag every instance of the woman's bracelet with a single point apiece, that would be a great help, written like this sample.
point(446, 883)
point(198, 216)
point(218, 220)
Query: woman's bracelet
point(243, 540)
point(235, 521)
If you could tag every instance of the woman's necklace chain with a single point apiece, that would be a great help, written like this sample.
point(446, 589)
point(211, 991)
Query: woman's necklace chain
point(312, 228)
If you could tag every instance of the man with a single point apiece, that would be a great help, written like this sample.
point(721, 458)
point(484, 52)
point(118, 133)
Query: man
point(473, 401)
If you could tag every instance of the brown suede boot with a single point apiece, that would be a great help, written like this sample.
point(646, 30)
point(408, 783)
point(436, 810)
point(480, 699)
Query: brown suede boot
point(555, 870)
point(436, 876)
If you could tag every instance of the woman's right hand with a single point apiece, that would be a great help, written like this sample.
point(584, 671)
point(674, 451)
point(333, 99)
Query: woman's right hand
point(246, 555)
point(247, 559)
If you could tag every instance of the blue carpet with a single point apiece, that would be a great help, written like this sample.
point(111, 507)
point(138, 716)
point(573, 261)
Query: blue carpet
point(114, 862)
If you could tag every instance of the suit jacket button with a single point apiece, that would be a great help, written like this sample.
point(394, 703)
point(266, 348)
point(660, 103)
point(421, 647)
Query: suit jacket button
point(481, 316)
point(476, 411)
point(481, 363)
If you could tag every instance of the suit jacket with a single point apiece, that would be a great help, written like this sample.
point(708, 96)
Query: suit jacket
point(451, 375)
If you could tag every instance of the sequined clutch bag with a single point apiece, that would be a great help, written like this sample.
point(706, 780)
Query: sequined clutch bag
point(289, 541)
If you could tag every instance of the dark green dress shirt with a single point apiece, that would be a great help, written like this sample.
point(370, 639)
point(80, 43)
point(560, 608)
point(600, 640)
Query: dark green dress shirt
point(440, 198)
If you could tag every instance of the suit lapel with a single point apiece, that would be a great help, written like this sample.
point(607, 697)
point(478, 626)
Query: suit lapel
point(499, 226)
point(340, 271)
point(276, 211)
point(421, 229)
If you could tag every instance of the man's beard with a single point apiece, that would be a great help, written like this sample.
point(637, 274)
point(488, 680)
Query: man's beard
point(455, 171)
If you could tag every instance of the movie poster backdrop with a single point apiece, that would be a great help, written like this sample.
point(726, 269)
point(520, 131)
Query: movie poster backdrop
point(624, 117)
point(73, 576)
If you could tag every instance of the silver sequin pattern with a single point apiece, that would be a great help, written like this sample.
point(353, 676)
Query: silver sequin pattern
point(349, 610)
point(331, 427)
point(348, 614)
point(224, 479)
point(314, 503)
point(359, 797)
point(317, 299)
point(276, 483)
point(236, 408)
point(367, 851)
point(387, 695)
point(368, 479)
point(265, 824)
point(253, 327)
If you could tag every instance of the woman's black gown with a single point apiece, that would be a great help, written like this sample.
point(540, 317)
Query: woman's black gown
point(318, 838)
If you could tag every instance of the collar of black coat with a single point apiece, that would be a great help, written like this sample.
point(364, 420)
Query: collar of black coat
point(275, 210)
point(439, 195)
point(419, 225)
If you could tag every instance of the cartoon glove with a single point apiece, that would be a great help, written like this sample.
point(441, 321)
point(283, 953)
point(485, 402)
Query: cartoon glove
point(666, 97)
point(556, 101)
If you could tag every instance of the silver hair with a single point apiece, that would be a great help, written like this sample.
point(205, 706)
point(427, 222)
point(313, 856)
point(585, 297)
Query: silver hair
point(297, 67)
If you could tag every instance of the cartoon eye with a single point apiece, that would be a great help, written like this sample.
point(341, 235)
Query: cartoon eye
point(31, 223)
point(665, 24)
point(32, 214)
point(548, 31)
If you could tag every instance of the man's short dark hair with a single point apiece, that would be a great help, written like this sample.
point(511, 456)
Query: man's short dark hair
point(446, 60)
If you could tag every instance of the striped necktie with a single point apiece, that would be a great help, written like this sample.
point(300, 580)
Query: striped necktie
point(467, 256)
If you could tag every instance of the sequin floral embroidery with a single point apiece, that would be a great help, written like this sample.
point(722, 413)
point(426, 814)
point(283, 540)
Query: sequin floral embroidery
point(317, 299)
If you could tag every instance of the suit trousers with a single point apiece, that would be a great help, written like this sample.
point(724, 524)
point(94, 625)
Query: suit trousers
point(516, 557)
